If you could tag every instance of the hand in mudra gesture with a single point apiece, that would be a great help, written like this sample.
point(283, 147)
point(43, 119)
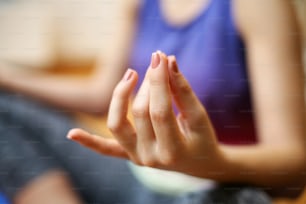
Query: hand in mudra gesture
point(184, 143)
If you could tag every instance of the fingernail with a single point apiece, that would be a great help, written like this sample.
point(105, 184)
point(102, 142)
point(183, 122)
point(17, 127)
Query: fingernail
point(128, 75)
point(174, 66)
point(159, 52)
point(155, 60)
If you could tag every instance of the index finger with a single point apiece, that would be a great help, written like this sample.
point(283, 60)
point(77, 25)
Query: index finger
point(117, 120)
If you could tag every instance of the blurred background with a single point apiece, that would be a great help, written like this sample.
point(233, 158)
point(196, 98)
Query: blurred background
point(42, 33)
point(68, 36)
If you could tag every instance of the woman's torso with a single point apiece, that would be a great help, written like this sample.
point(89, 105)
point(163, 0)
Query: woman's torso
point(211, 55)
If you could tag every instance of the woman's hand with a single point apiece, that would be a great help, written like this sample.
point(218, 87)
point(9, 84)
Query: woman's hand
point(158, 138)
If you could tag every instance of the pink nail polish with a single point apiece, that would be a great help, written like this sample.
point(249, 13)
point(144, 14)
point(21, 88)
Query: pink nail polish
point(155, 60)
point(128, 75)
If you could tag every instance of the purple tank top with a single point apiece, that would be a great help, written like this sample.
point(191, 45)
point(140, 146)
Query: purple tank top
point(211, 55)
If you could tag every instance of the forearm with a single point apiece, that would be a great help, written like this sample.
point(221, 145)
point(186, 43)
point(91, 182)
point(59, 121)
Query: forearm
point(76, 94)
point(261, 165)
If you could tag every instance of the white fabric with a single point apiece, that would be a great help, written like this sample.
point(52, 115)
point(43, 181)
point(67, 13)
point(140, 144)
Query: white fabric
point(169, 182)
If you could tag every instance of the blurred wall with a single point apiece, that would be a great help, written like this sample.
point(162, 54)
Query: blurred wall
point(26, 33)
point(39, 32)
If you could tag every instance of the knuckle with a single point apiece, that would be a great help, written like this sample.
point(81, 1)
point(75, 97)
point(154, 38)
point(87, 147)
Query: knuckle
point(117, 93)
point(156, 81)
point(184, 88)
point(140, 112)
point(149, 162)
point(147, 158)
point(199, 117)
point(120, 92)
point(169, 158)
point(160, 115)
point(114, 127)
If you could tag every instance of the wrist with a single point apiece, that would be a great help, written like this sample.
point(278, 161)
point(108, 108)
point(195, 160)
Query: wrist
point(215, 166)
point(220, 167)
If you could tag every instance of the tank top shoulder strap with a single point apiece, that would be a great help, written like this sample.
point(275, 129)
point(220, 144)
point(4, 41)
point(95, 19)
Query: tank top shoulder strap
point(229, 15)
point(148, 9)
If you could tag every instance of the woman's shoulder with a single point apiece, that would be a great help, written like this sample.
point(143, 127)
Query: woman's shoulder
point(263, 17)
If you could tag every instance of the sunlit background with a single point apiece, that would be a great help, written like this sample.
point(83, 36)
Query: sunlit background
point(36, 33)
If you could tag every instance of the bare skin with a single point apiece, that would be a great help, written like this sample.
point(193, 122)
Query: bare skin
point(73, 94)
point(77, 94)
point(275, 68)
point(52, 187)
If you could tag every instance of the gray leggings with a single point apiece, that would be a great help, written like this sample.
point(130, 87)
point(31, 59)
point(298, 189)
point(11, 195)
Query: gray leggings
point(32, 142)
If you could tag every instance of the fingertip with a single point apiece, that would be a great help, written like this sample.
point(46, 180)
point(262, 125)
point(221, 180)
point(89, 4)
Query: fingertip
point(71, 133)
point(129, 75)
point(134, 77)
point(155, 60)
point(162, 55)
point(172, 64)
point(159, 52)
point(126, 85)
point(74, 134)
point(69, 137)
point(171, 58)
